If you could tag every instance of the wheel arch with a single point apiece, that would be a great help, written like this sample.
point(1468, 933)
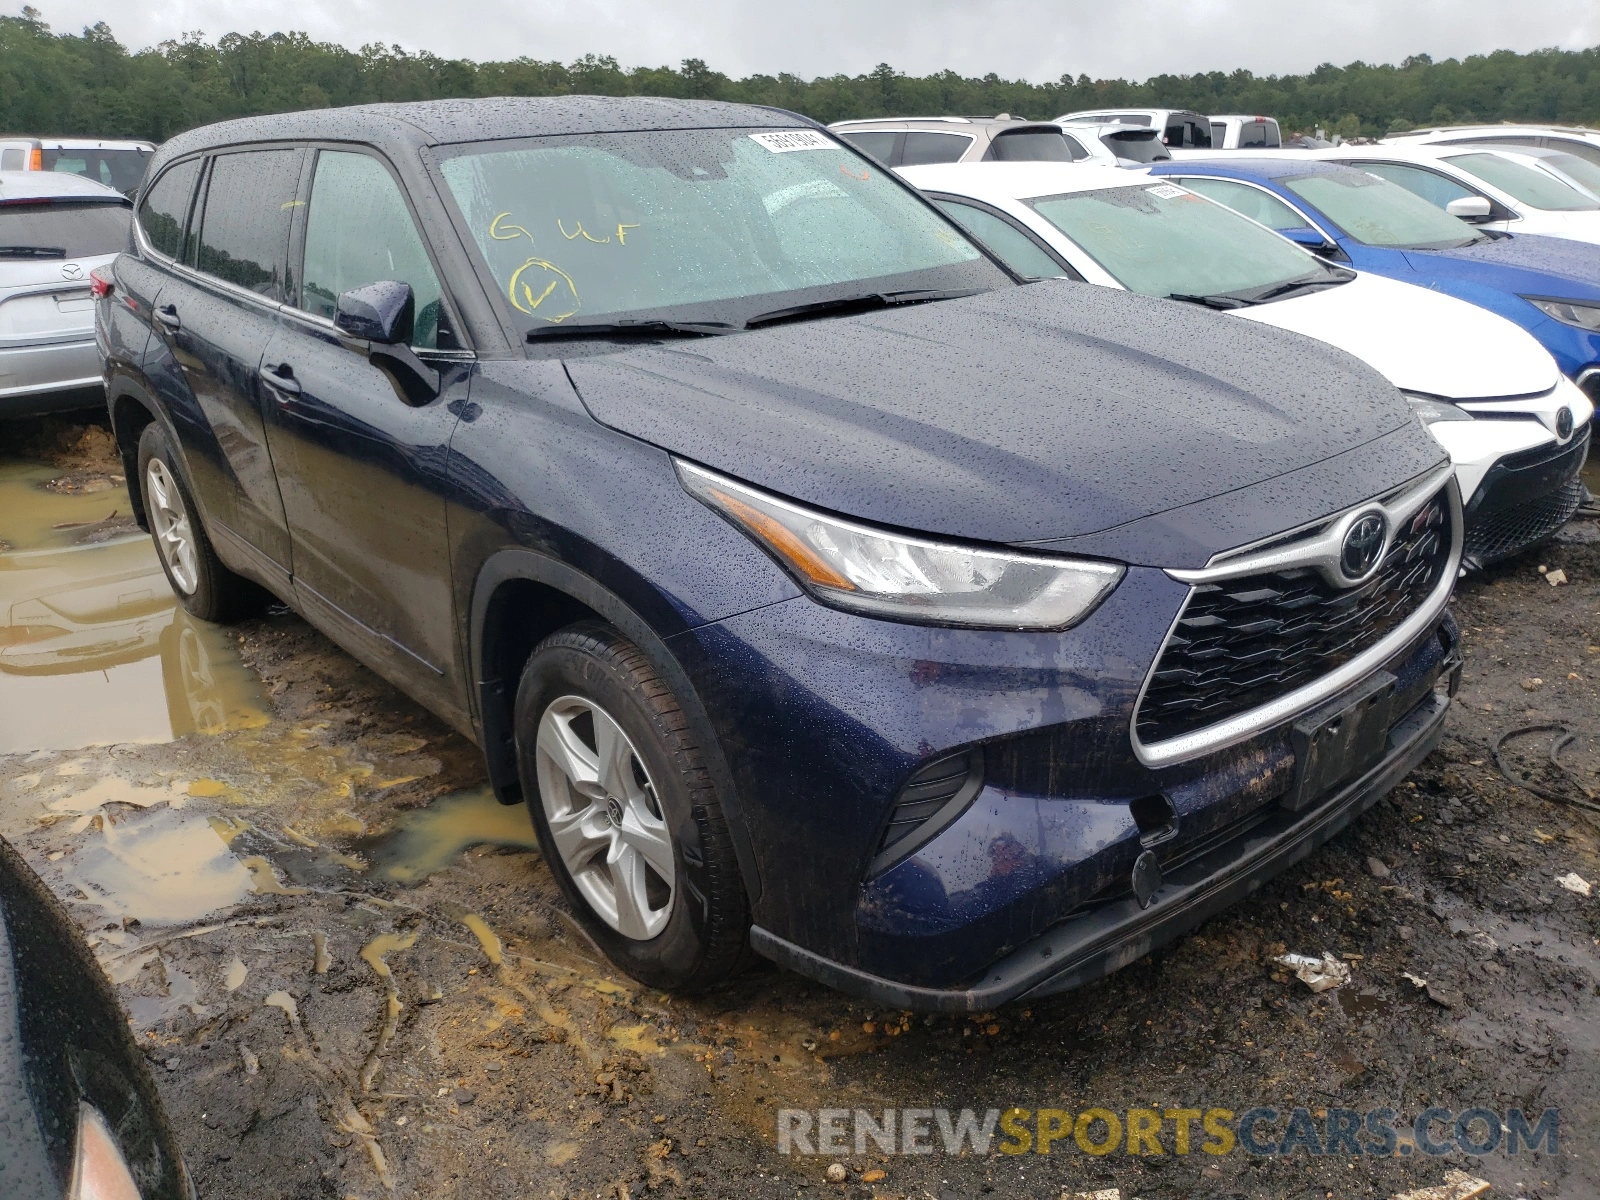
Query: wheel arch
point(521, 597)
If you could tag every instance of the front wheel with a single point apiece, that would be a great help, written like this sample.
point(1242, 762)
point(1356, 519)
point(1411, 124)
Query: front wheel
point(203, 585)
point(626, 813)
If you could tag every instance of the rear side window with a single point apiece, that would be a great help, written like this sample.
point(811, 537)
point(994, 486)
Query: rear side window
point(1010, 244)
point(1584, 150)
point(62, 230)
point(166, 205)
point(1249, 201)
point(923, 148)
point(1436, 189)
point(1219, 134)
point(15, 159)
point(1189, 133)
point(877, 142)
point(1075, 149)
point(359, 231)
point(244, 235)
point(1030, 145)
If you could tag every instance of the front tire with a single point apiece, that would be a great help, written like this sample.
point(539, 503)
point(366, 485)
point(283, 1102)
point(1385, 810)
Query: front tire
point(626, 813)
point(202, 584)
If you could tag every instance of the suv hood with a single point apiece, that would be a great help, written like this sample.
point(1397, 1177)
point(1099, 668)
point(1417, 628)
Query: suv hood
point(1033, 413)
point(1421, 340)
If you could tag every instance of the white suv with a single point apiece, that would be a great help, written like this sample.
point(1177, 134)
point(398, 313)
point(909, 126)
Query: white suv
point(1574, 139)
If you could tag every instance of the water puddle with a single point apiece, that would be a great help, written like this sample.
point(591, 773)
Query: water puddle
point(94, 650)
point(426, 839)
point(163, 867)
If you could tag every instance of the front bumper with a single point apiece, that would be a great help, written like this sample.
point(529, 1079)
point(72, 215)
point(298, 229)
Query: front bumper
point(1109, 936)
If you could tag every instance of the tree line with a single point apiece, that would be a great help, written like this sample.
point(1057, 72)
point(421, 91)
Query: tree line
point(89, 83)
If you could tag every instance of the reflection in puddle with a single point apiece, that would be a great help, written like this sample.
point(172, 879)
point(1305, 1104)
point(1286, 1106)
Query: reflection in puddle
point(428, 838)
point(163, 867)
point(93, 648)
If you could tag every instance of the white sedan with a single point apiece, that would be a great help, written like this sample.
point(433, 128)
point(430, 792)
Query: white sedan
point(1493, 186)
point(1490, 393)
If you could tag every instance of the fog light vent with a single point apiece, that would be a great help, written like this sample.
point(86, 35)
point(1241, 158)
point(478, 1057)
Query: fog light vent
point(935, 794)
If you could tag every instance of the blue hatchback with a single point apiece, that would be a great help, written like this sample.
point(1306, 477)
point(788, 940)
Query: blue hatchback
point(1549, 286)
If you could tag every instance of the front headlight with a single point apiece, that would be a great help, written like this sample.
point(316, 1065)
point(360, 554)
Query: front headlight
point(903, 578)
point(1569, 312)
point(1429, 410)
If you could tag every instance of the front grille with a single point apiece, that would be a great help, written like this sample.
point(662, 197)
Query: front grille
point(1502, 533)
point(1240, 643)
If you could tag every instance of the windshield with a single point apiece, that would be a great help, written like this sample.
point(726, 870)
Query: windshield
point(1580, 170)
point(1164, 241)
point(1380, 213)
point(700, 224)
point(63, 229)
point(1524, 184)
point(121, 169)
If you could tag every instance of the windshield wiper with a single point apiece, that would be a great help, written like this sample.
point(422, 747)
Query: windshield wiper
point(33, 252)
point(632, 328)
point(1221, 301)
point(1278, 291)
point(860, 303)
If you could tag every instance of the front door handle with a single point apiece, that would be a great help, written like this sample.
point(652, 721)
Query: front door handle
point(281, 377)
point(167, 314)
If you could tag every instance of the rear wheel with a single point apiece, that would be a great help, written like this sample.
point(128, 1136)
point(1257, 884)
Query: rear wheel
point(625, 811)
point(203, 585)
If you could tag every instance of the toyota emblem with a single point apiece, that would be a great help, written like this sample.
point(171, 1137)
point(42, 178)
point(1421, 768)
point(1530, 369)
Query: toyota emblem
point(1564, 423)
point(1363, 546)
point(72, 270)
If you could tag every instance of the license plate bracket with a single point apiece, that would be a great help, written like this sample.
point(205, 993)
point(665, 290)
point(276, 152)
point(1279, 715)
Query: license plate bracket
point(1340, 740)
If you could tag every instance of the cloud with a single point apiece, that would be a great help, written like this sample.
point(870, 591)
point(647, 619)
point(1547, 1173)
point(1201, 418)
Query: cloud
point(1030, 39)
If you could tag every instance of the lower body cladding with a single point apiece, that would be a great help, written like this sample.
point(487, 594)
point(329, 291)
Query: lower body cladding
point(49, 377)
point(949, 820)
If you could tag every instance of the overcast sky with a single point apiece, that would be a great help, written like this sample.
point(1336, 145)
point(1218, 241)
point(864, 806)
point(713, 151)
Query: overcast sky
point(1031, 39)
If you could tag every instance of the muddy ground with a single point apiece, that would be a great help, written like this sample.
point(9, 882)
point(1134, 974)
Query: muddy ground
point(354, 977)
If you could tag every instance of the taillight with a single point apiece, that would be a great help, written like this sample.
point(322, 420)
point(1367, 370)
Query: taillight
point(101, 284)
point(36, 160)
point(99, 1172)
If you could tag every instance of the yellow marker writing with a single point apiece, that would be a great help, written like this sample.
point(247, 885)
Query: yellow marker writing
point(582, 232)
point(521, 290)
point(512, 232)
point(622, 237)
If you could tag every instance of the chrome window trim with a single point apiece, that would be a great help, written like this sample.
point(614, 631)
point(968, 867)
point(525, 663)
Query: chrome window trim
point(1312, 551)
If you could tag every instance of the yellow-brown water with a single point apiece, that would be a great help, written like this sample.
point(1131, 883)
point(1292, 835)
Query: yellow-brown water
point(94, 650)
point(427, 839)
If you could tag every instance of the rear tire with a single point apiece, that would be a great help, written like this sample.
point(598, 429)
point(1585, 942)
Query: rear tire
point(202, 584)
point(621, 800)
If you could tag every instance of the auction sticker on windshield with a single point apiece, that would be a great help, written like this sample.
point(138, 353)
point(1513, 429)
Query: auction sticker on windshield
point(1166, 192)
point(788, 140)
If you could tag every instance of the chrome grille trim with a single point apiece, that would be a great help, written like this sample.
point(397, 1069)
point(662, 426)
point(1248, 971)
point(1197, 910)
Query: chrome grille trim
point(1323, 539)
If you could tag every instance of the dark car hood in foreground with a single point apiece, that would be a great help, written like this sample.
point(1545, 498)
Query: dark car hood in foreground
point(1028, 414)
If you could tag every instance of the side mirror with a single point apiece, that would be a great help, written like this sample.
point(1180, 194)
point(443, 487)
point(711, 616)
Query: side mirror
point(384, 315)
point(1469, 208)
point(384, 312)
point(1311, 239)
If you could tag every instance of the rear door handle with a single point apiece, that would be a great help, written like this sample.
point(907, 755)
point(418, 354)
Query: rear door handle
point(167, 314)
point(281, 377)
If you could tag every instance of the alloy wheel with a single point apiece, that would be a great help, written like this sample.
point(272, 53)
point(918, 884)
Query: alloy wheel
point(605, 817)
point(169, 521)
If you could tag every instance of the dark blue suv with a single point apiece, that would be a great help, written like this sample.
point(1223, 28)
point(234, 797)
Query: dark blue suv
point(822, 589)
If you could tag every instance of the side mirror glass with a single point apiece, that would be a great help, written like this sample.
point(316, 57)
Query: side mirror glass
point(1469, 208)
point(383, 312)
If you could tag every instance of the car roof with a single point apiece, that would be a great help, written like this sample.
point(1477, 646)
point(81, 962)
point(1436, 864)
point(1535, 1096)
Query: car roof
point(1254, 166)
point(91, 144)
point(1241, 117)
point(985, 124)
point(441, 122)
point(53, 185)
point(1000, 181)
point(1498, 129)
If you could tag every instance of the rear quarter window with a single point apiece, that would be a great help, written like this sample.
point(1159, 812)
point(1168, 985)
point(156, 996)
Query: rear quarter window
point(877, 142)
point(63, 230)
point(923, 148)
point(166, 206)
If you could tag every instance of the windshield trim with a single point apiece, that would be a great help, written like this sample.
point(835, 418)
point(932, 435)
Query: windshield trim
point(434, 157)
